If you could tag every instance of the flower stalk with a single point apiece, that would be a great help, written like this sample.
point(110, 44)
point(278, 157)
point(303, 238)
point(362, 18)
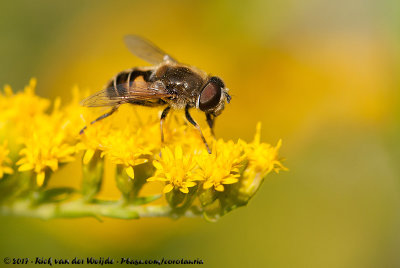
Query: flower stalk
point(80, 209)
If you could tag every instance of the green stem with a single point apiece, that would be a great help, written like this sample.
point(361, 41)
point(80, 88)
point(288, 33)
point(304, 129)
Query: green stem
point(79, 209)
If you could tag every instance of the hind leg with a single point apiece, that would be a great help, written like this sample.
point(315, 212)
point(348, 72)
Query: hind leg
point(113, 109)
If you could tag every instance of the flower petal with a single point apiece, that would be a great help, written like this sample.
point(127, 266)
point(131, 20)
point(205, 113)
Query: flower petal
point(140, 161)
point(208, 184)
point(184, 190)
point(220, 188)
point(25, 167)
point(88, 156)
point(230, 180)
point(168, 188)
point(157, 165)
point(130, 172)
point(190, 184)
point(40, 178)
point(8, 170)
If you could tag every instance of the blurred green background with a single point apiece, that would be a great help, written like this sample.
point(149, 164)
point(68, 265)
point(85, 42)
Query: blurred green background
point(321, 75)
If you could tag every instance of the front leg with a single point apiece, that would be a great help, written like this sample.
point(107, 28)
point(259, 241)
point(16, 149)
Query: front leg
point(210, 121)
point(190, 119)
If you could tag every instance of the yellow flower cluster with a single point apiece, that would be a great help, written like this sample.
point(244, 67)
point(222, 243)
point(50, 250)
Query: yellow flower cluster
point(212, 170)
point(45, 134)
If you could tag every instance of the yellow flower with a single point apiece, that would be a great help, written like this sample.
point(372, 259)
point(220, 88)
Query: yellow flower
point(21, 107)
point(175, 169)
point(46, 144)
point(127, 149)
point(262, 157)
point(221, 166)
point(91, 140)
point(5, 161)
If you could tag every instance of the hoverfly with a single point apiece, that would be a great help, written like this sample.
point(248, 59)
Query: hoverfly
point(168, 83)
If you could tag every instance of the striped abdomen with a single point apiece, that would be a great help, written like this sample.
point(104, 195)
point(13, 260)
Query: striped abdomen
point(120, 84)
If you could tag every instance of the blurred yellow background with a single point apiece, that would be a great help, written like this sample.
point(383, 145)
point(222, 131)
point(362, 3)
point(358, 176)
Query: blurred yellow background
point(321, 75)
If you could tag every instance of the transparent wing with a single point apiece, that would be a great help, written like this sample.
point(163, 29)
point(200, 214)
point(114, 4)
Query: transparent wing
point(102, 98)
point(146, 50)
point(137, 91)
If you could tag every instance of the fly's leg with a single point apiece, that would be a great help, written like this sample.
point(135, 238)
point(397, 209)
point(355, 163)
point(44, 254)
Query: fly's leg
point(210, 121)
point(162, 119)
point(190, 119)
point(100, 118)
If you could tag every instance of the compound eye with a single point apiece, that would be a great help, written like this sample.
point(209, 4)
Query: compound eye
point(210, 96)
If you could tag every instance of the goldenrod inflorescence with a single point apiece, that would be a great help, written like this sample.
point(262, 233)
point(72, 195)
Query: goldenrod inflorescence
point(37, 136)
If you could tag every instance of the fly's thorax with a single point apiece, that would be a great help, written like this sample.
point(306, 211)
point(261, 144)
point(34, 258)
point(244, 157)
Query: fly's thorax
point(177, 103)
point(183, 81)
